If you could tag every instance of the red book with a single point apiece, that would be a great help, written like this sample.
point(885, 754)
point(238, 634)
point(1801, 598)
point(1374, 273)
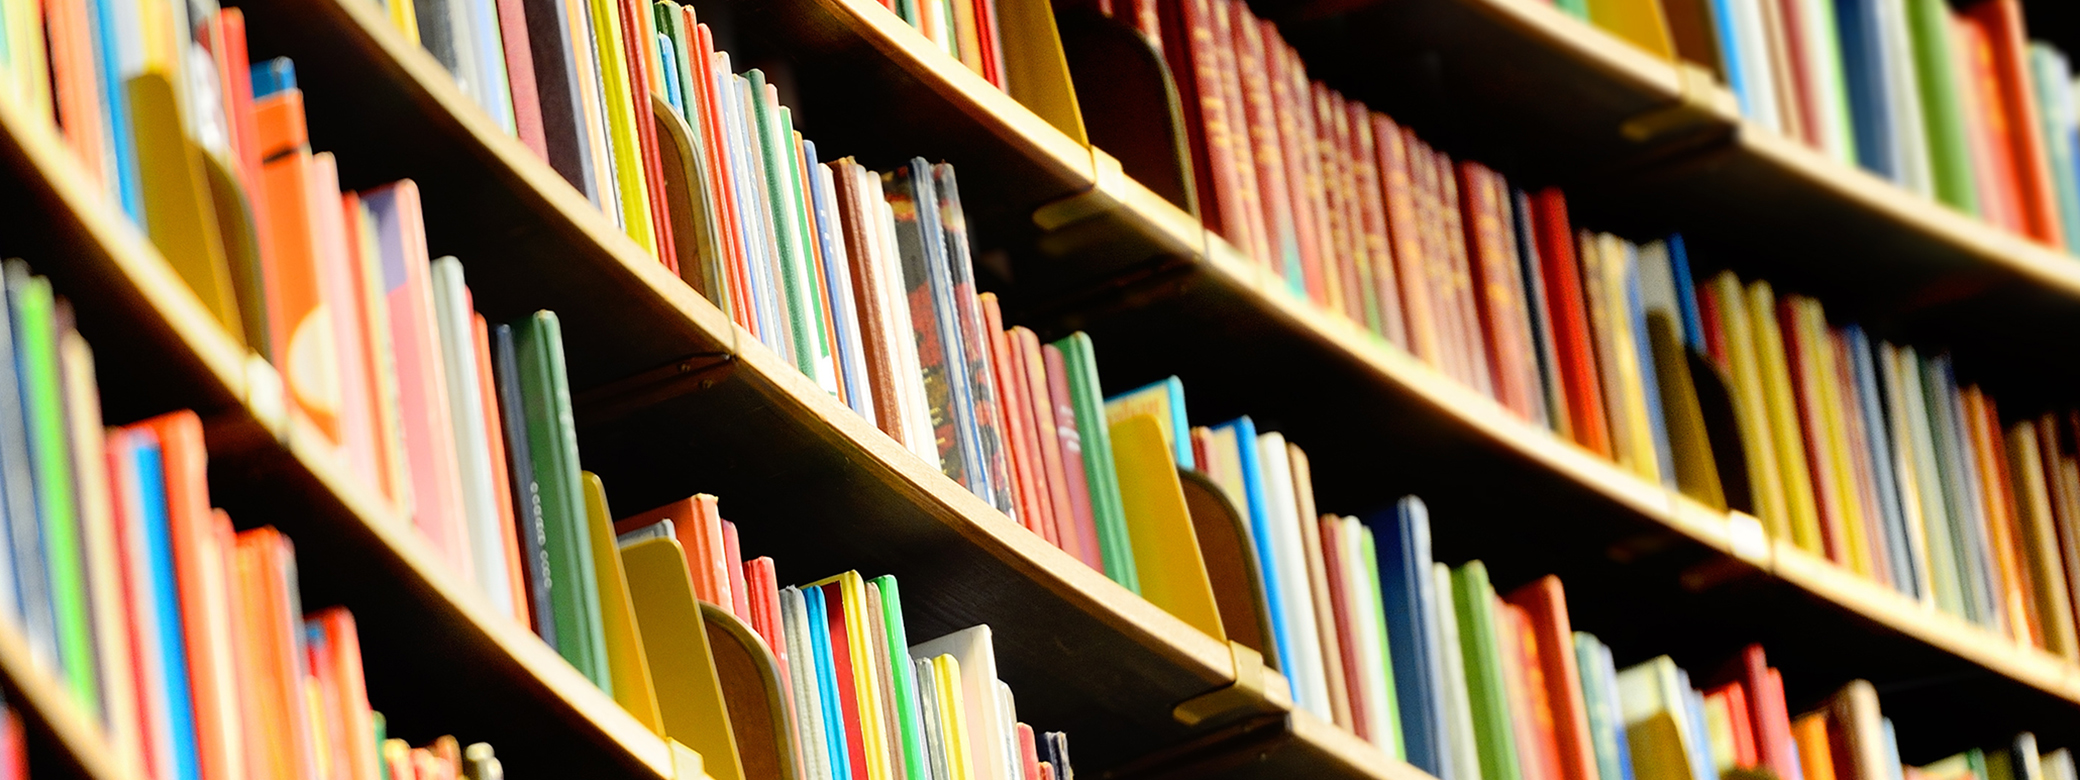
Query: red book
point(238, 78)
point(1346, 624)
point(1411, 271)
point(1274, 202)
point(1278, 64)
point(1802, 357)
point(1496, 300)
point(841, 662)
point(1708, 311)
point(1740, 721)
point(697, 524)
point(1804, 98)
point(733, 557)
point(2010, 106)
point(1531, 716)
point(1254, 240)
point(527, 101)
point(1360, 295)
point(1024, 453)
point(1309, 200)
point(336, 659)
point(639, 38)
point(1466, 314)
point(1189, 46)
point(1571, 337)
point(1551, 637)
point(736, 268)
point(1030, 368)
point(1987, 126)
point(1371, 224)
point(1771, 718)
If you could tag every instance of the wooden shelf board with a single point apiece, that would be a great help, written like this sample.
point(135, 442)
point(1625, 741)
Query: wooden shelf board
point(159, 350)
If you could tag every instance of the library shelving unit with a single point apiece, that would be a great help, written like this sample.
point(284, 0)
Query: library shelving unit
point(439, 660)
point(672, 398)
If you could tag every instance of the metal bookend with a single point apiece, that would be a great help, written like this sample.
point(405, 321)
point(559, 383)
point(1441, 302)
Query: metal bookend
point(1246, 696)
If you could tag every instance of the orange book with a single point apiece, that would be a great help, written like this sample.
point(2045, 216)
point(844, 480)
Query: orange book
point(697, 523)
point(1046, 437)
point(375, 336)
point(299, 331)
point(1551, 633)
point(214, 674)
point(1987, 127)
point(1465, 316)
point(1580, 385)
point(1740, 721)
point(1347, 288)
point(508, 530)
point(639, 38)
point(1025, 487)
point(335, 658)
point(1531, 716)
point(1260, 109)
point(1226, 14)
point(75, 85)
point(1998, 507)
point(277, 706)
point(1309, 199)
point(1499, 291)
point(1815, 753)
point(2018, 116)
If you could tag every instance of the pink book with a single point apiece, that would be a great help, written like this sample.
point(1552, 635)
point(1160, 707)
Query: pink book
point(733, 555)
point(422, 392)
point(1083, 526)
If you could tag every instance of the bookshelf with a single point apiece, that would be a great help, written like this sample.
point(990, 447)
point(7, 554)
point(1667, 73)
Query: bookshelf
point(674, 398)
point(438, 657)
point(1528, 89)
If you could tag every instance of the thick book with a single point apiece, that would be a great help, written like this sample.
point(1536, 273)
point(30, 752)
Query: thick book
point(552, 444)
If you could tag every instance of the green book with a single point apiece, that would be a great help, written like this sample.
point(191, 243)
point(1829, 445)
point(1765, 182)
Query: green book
point(1487, 694)
point(1458, 716)
point(1942, 109)
point(32, 305)
point(1376, 616)
point(903, 688)
point(790, 235)
point(1106, 510)
point(552, 445)
point(1578, 9)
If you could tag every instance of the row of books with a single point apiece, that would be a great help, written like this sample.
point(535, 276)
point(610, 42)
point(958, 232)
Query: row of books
point(184, 639)
point(856, 698)
point(1957, 105)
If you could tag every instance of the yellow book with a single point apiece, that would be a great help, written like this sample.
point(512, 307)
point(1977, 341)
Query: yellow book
point(849, 592)
point(1596, 291)
point(953, 718)
point(27, 66)
point(1639, 21)
point(177, 204)
point(2040, 540)
point(405, 15)
point(1837, 485)
point(1616, 264)
point(1696, 470)
point(625, 658)
point(1036, 71)
point(619, 99)
point(1783, 419)
point(1657, 722)
point(1166, 549)
point(690, 700)
point(1750, 407)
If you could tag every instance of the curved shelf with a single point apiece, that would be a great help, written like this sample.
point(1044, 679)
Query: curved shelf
point(673, 398)
point(1531, 90)
point(438, 657)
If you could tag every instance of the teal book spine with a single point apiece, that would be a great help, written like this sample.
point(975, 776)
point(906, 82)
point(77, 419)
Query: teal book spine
point(552, 440)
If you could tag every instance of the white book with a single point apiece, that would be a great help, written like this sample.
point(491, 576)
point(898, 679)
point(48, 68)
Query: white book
point(1915, 170)
point(453, 319)
point(982, 714)
point(1295, 592)
point(1457, 703)
point(813, 751)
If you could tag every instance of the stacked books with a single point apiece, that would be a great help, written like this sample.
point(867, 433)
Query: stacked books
point(1959, 106)
point(185, 639)
point(854, 696)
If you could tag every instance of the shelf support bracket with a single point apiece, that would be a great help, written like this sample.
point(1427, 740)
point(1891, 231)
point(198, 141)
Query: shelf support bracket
point(1108, 182)
point(1700, 103)
point(1248, 695)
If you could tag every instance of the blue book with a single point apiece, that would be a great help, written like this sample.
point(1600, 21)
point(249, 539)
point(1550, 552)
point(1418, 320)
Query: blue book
point(837, 279)
point(1726, 31)
point(1245, 432)
point(1408, 598)
point(826, 670)
point(668, 64)
point(1166, 396)
point(487, 46)
point(109, 27)
point(1904, 568)
point(158, 612)
point(756, 235)
point(1860, 28)
point(1649, 379)
point(272, 76)
point(1606, 720)
point(1700, 737)
point(1691, 320)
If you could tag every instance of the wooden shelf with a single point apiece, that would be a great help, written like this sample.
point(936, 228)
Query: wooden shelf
point(672, 398)
point(61, 736)
point(439, 661)
point(1545, 97)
